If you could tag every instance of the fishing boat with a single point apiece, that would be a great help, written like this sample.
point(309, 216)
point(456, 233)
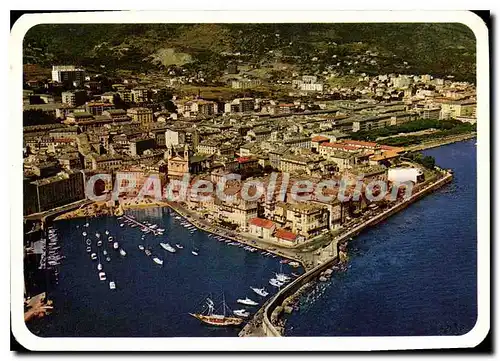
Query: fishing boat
point(157, 260)
point(247, 301)
point(167, 247)
point(210, 317)
point(115, 245)
point(179, 246)
point(241, 313)
point(112, 285)
point(260, 291)
point(141, 247)
point(274, 282)
point(122, 252)
point(102, 276)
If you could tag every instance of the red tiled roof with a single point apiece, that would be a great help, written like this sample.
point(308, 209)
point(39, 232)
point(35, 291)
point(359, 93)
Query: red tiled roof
point(390, 148)
point(260, 222)
point(245, 159)
point(360, 143)
point(286, 235)
point(339, 146)
point(319, 138)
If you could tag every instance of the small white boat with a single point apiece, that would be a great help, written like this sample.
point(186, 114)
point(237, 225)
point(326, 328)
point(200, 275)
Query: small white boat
point(179, 246)
point(106, 232)
point(260, 291)
point(122, 225)
point(98, 234)
point(157, 260)
point(104, 252)
point(108, 259)
point(147, 252)
point(115, 245)
point(167, 247)
point(84, 234)
point(247, 301)
point(141, 247)
point(99, 243)
point(282, 277)
point(122, 252)
point(93, 256)
point(274, 282)
point(110, 239)
point(241, 313)
point(112, 285)
point(194, 253)
point(88, 242)
point(161, 230)
point(99, 266)
point(87, 224)
point(89, 249)
point(102, 276)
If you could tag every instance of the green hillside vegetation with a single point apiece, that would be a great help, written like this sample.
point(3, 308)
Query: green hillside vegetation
point(438, 49)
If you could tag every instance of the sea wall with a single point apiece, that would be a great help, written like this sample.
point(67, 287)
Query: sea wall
point(273, 308)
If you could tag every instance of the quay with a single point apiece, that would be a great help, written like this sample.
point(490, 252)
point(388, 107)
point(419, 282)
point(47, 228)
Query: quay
point(265, 320)
point(142, 225)
point(218, 231)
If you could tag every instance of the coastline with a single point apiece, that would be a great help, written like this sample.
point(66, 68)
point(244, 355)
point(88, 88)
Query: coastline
point(263, 322)
point(440, 142)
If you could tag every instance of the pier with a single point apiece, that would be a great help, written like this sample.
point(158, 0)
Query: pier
point(142, 225)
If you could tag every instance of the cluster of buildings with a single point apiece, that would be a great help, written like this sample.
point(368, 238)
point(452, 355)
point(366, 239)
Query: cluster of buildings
point(128, 131)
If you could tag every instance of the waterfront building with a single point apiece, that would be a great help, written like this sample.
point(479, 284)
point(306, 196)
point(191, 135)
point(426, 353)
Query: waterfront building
point(64, 188)
point(261, 228)
point(178, 163)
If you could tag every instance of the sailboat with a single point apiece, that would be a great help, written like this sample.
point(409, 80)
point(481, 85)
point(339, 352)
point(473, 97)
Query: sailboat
point(99, 265)
point(211, 318)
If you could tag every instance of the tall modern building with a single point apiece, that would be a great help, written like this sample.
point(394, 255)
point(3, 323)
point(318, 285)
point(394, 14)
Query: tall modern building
point(67, 74)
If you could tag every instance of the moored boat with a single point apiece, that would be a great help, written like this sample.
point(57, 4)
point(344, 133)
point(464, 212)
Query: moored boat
point(167, 247)
point(274, 282)
point(102, 276)
point(141, 247)
point(179, 246)
point(112, 285)
point(214, 319)
point(260, 291)
point(157, 260)
point(241, 313)
point(122, 252)
point(115, 245)
point(247, 301)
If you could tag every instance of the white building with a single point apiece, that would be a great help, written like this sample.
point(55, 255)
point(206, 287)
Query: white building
point(68, 74)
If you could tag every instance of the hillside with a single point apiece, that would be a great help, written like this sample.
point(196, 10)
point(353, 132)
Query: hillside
point(438, 49)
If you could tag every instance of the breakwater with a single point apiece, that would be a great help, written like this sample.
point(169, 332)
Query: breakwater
point(269, 315)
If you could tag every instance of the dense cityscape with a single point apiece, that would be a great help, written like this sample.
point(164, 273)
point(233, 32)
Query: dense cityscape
point(250, 124)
